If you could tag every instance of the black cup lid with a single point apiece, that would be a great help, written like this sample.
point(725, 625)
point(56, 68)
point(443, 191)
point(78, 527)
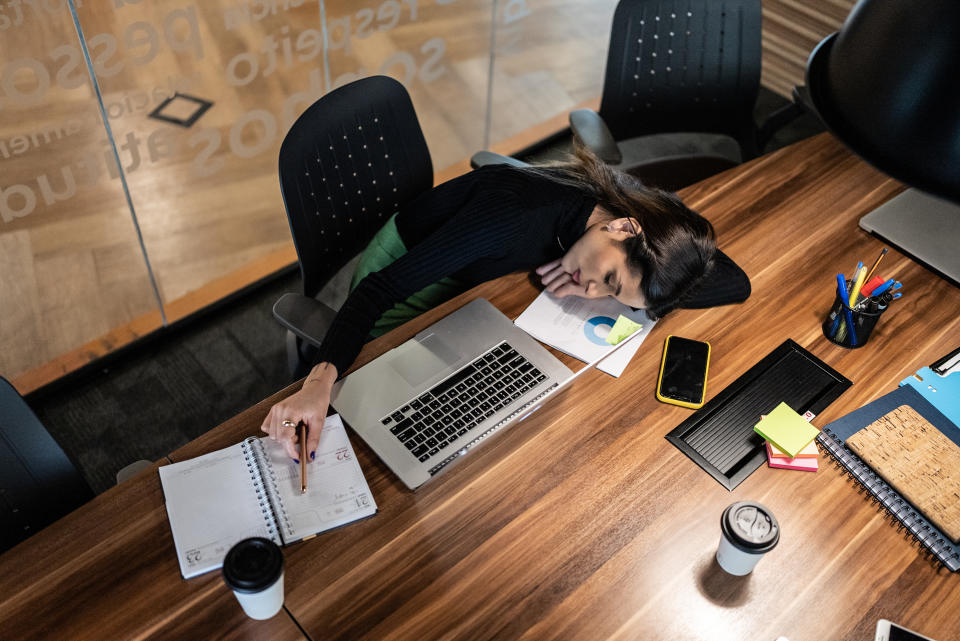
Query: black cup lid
point(750, 526)
point(252, 565)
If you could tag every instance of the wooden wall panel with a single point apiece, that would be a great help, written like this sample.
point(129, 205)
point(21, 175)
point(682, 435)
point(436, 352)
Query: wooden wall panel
point(791, 29)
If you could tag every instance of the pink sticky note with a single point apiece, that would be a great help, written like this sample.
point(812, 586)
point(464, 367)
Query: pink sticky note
point(804, 464)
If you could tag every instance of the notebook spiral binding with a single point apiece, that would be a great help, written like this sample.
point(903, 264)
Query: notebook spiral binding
point(275, 499)
point(931, 541)
point(254, 456)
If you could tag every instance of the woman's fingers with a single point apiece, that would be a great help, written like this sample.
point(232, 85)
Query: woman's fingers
point(553, 275)
point(313, 439)
point(281, 425)
point(568, 288)
point(543, 269)
point(558, 282)
point(290, 443)
point(308, 406)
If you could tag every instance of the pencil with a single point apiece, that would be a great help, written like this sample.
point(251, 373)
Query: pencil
point(883, 253)
point(303, 457)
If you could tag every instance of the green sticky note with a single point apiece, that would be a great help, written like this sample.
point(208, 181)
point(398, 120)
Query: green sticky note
point(786, 429)
point(622, 329)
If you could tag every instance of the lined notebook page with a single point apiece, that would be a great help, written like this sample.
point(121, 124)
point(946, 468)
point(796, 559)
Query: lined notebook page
point(337, 492)
point(211, 503)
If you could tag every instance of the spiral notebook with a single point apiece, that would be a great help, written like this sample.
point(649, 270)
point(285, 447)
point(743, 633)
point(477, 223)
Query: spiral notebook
point(253, 489)
point(833, 436)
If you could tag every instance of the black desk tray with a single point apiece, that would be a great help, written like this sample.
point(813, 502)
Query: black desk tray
point(719, 437)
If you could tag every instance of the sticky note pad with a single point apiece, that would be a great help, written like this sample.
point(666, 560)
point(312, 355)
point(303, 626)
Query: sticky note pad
point(803, 464)
point(807, 464)
point(786, 430)
point(622, 329)
point(810, 451)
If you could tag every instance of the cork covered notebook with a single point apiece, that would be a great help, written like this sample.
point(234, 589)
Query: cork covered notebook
point(918, 461)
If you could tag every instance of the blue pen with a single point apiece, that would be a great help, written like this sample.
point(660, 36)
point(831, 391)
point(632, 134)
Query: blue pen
point(842, 290)
point(879, 290)
point(841, 283)
point(897, 285)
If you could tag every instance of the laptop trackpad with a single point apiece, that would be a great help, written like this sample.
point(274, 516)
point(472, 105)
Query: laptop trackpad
point(417, 361)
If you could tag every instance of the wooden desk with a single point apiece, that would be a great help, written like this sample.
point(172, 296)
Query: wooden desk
point(582, 522)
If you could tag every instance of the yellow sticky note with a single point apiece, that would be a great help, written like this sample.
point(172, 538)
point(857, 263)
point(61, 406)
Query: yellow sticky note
point(622, 329)
point(786, 430)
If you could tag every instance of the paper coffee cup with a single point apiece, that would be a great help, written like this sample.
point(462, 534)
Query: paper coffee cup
point(748, 531)
point(253, 569)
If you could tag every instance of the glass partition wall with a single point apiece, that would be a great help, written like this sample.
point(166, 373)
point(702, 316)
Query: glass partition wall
point(71, 264)
point(139, 139)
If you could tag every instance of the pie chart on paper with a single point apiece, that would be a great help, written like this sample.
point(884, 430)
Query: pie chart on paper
point(597, 328)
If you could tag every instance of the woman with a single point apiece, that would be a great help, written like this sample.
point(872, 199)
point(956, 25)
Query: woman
point(588, 230)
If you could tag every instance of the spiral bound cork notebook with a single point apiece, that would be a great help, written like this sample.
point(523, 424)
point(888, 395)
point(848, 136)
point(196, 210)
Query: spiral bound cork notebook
point(907, 516)
point(253, 489)
point(918, 461)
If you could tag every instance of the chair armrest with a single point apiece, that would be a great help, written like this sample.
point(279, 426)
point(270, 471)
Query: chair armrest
point(589, 127)
point(676, 172)
point(783, 116)
point(484, 158)
point(306, 317)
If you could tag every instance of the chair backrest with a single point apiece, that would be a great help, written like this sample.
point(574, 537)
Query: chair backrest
point(38, 483)
point(683, 66)
point(346, 165)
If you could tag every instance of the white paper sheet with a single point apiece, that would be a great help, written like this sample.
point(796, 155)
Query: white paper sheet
point(579, 327)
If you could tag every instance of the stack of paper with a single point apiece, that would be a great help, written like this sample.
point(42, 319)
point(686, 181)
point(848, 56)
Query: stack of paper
point(580, 327)
point(789, 439)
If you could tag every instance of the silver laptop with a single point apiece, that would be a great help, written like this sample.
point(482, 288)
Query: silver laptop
point(924, 226)
point(426, 403)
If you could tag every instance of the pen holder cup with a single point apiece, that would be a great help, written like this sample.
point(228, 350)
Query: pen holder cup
point(836, 326)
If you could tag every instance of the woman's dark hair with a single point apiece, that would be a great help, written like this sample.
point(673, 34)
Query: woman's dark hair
point(675, 248)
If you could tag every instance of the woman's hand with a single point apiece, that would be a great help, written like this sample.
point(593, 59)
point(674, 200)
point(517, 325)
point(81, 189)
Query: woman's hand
point(557, 281)
point(308, 405)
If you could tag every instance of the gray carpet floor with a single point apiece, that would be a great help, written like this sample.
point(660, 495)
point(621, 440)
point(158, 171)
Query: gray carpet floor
point(160, 395)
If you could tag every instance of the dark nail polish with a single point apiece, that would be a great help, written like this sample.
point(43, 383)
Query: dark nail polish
point(313, 455)
point(297, 461)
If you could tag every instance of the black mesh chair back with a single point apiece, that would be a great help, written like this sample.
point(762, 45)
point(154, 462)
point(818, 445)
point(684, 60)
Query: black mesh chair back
point(346, 165)
point(684, 66)
point(38, 483)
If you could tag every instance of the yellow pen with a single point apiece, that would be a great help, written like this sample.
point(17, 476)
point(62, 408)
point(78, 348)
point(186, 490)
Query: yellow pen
point(857, 284)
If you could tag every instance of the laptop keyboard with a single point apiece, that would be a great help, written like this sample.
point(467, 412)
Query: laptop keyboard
point(432, 421)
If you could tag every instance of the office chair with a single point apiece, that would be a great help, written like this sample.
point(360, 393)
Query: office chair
point(683, 68)
point(347, 164)
point(38, 483)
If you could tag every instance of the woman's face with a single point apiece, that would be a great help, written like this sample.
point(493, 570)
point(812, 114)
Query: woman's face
point(597, 264)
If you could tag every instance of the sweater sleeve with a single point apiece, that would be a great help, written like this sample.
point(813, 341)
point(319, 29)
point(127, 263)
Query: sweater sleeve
point(725, 284)
point(478, 230)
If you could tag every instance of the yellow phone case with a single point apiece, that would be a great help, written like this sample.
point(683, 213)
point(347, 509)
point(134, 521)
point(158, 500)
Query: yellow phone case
point(673, 401)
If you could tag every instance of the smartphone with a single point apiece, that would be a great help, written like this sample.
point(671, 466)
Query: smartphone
point(683, 372)
point(889, 631)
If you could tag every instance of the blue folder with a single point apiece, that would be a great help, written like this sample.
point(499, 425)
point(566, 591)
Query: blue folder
point(943, 392)
point(845, 427)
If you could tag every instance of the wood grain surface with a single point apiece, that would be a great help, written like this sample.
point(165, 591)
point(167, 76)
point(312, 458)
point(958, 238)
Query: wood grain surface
point(791, 29)
point(583, 522)
point(918, 461)
point(109, 571)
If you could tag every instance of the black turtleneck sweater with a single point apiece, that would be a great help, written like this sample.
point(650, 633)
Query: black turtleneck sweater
point(477, 227)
